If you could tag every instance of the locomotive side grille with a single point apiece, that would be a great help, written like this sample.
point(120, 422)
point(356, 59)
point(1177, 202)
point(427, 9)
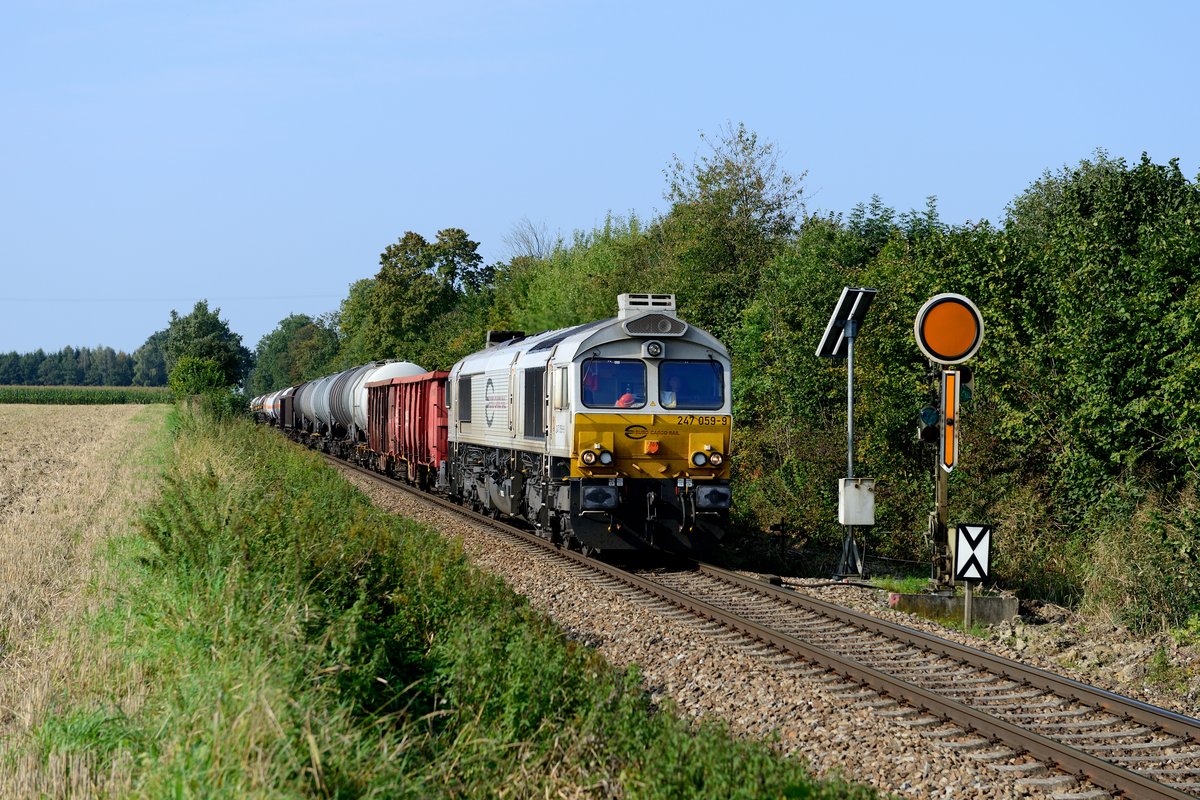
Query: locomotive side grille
point(535, 403)
point(655, 325)
point(464, 399)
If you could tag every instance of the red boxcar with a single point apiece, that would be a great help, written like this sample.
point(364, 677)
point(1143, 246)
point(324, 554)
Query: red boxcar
point(407, 426)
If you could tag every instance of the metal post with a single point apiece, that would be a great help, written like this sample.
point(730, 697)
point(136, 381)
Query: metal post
point(967, 615)
point(850, 331)
point(838, 342)
point(943, 554)
point(851, 562)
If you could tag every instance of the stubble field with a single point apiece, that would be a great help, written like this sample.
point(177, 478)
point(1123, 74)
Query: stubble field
point(71, 478)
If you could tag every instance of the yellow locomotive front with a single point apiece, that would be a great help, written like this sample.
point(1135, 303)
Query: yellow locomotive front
point(651, 436)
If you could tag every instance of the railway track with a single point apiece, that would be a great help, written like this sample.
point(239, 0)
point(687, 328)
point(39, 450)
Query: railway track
point(1019, 719)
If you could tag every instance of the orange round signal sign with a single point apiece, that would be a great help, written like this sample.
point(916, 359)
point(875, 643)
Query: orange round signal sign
point(949, 329)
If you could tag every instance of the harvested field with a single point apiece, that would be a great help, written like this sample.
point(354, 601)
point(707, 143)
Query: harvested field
point(71, 477)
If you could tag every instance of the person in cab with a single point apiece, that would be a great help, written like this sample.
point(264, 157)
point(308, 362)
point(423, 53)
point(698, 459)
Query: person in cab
point(670, 395)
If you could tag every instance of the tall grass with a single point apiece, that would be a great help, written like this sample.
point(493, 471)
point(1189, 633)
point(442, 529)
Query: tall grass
point(289, 640)
point(84, 395)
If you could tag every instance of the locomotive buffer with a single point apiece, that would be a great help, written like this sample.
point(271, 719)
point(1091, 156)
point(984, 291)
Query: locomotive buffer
point(856, 496)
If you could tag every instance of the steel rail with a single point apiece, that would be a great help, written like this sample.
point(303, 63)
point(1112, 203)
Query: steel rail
point(1120, 705)
point(1071, 760)
point(1102, 773)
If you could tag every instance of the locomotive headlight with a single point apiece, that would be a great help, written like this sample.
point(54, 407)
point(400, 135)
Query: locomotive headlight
point(654, 349)
point(699, 459)
point(606, 457)
point(588, 457)
point(716, 459)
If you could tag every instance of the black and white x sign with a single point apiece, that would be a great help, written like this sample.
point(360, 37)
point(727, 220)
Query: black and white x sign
point(972, 552)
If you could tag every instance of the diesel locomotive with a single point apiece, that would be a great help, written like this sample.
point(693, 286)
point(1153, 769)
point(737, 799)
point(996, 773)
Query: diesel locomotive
point(614, 435)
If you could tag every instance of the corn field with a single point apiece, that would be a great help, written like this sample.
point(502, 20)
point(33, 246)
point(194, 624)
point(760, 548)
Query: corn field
point(85, 395)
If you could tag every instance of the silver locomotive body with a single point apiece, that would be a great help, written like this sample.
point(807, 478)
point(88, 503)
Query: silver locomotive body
point(612, 435)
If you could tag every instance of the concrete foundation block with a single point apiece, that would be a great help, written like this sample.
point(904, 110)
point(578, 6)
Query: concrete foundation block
point(988, 610)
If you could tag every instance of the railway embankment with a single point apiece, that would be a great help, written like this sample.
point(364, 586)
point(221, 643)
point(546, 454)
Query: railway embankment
point(260, 629)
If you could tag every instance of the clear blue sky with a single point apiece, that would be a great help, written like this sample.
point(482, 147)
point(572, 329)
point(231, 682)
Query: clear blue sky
point(262, 154)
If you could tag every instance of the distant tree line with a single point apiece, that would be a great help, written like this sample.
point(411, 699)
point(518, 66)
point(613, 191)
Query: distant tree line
point(1081, 444)
point(201, 338)
point(71, 366)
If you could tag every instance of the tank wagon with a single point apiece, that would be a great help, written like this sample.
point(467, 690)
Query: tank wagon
point(609, 436)
point(329, 413)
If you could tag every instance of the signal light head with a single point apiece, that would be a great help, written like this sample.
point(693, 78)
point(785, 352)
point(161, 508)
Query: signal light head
point(927, 425)
point(966, 384)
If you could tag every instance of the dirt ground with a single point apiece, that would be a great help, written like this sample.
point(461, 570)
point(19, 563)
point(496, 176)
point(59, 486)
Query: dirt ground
point(71, 477)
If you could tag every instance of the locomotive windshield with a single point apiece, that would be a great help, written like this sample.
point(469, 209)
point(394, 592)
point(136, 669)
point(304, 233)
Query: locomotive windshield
point(614, 383)
point(691, 384)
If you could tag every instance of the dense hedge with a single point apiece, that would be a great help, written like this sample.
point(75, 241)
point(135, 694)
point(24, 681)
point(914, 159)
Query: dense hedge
point(1081, 443)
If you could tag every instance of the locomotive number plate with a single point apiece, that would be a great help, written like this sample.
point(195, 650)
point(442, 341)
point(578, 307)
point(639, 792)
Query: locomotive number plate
point(692, 419)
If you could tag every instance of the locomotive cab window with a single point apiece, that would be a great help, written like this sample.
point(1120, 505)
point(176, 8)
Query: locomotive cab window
point(697, 385)
point(614, 383)
point(562, 396)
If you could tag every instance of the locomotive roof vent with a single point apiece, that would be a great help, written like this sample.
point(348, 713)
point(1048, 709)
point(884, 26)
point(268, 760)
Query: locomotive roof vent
point(650, 315)
point(629, 305)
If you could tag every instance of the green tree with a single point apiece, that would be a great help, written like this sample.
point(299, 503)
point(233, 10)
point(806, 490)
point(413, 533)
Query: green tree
point(10, 368)
point(204, 335)
point(299, 348)
point(31, 364)
point(53, 372)
point(150, 361)
point(394, 314)
point(193, 375)
point(732, 211)
point(314, 349)
point(580, 283)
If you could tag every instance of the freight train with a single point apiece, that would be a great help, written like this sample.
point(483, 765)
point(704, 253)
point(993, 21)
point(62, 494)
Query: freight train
point(610, 436)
